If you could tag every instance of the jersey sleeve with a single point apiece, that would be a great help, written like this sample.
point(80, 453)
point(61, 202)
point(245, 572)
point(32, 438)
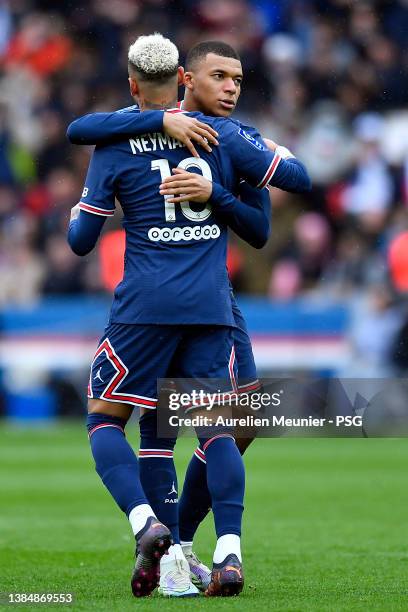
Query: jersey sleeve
point(248, 217)
point(260, 166)
point(98, 195)
point(97, 128)
point(83, 232)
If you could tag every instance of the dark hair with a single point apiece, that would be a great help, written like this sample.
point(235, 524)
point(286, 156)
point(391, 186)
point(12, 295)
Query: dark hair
point(200, 51)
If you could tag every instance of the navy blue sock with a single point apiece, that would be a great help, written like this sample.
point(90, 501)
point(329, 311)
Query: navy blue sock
point(115, 461)
point(226, 483)
point(195, 500)
point(158, 473)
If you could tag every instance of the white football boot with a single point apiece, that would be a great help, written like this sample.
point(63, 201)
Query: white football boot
point(175, 578)
point(200, 574)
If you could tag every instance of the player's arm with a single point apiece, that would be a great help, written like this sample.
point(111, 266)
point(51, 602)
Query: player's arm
point(249, 217)
point(96, 204)
point(253, 227)
point(97, 128)
point(299, 179)
point(261, 166)
point(83, 230)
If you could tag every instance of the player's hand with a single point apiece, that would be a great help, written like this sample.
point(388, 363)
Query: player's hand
point(75, 210)
point(186, 186)
point(270, 144)
point(187, 129)
point(278, 149)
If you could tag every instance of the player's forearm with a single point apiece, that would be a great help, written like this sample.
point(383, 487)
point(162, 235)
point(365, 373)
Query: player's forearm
point(83, 232)
point(96, 128)
point(291, 175)
point(250, 223)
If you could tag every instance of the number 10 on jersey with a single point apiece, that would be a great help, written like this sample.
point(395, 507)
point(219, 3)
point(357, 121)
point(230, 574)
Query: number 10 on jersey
point(163, 166)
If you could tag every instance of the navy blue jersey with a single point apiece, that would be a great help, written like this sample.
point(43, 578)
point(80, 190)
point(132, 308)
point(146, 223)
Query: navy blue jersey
point(175, 254)
point(100, 128)
point(248, 217)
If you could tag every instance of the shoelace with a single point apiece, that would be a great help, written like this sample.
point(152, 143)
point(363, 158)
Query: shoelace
point(194, 559)
point(179, 574)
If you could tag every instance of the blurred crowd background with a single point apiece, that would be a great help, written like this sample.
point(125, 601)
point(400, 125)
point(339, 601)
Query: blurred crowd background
point(328, 79)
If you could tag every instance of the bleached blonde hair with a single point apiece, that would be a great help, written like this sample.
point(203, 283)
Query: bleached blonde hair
point(153, 57)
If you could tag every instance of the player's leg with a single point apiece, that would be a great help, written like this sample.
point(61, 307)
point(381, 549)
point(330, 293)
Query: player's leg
point(247, 375)
point(117, 466)
point(158, 473)
point(195, 500)
point(159, 480)
point(113, 392)
point(167, 505)
point(209, 359)
point(115, 460)
point(195, 503)
point(226, 483)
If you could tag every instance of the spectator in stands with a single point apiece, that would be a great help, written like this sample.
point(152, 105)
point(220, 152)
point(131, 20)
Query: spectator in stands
point(317, 75)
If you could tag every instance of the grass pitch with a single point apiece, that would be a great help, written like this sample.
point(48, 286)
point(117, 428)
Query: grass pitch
point(325, 525)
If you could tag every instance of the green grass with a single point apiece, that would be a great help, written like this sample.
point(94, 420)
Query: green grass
point(325, 525)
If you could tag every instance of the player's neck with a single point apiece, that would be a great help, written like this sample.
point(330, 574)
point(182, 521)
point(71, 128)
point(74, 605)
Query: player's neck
point(157, 104)
point(189, 104)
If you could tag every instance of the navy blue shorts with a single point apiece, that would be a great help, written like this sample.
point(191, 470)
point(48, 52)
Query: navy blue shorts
point(247, 374)
point(131, 358)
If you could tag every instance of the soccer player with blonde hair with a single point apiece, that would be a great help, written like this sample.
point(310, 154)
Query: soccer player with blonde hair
point(173, 309)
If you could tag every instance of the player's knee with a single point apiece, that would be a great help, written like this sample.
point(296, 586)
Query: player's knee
point(115, 409)
point(96, 421)
point(104, 414)
point(210, 434)
point(98, 405)
point(149, 437)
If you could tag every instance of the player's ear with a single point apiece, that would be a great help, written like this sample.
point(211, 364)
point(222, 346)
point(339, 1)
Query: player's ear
point(180, 75)
point(188, 80)
point(133, 86)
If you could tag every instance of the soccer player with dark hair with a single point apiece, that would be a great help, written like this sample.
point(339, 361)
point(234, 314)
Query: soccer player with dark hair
point(213, 80)
point(145, 336)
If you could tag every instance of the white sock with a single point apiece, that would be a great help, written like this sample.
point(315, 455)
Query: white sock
point(175, 552)
point(187, 547)
point(138, 517)
point(226, 545)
